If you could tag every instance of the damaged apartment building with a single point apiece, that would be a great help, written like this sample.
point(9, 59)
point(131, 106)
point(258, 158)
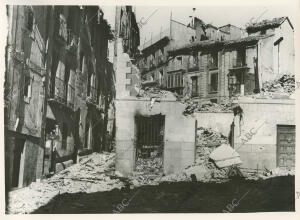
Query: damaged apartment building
point(199, 63)
point(151, 134)
point(59, 88)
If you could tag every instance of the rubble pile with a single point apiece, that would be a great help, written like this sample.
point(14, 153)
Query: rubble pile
point(155, 92)
point(150, 165)
point(89, 175)
point(207, 141)
point(285, 84)
point(207, 106)
point(28, 199)
point(93, 173)
point(277, 172)
point(207, 137)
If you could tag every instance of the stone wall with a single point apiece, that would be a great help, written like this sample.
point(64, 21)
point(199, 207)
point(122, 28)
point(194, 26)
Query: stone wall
point(263, 116)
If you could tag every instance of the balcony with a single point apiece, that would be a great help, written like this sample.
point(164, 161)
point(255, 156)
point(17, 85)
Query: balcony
point(239, 63)
point(62, 93)
point(193, 66)
point(92, 95)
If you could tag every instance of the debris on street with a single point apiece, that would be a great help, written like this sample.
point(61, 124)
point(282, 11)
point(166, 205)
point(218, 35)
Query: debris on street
point(91, 174)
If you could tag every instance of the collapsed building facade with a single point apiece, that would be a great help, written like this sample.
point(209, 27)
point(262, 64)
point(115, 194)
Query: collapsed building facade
point(59, 88)
point(213, 65)
point(150, 131)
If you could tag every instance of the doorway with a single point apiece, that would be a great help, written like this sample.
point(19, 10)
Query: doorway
point(149, 143)
point(18, 153)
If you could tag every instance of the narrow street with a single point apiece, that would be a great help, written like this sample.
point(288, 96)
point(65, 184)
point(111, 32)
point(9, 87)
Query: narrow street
point(132, 109)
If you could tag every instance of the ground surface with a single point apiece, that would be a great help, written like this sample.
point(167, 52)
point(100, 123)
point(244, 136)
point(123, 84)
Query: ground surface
point(274, 194)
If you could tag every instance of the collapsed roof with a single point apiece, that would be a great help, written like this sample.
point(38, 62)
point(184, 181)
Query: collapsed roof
point(266, 24)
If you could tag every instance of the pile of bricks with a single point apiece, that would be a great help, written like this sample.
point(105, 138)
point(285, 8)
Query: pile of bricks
point(285, 84)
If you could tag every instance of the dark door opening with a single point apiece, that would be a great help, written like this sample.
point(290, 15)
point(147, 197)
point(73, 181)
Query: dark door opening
point(18, 151)
point(149, 143)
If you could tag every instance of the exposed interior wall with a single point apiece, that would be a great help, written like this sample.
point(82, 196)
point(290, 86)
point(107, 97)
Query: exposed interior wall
point(265, 60)
point(219, 122)
point(286, 48)
point(261, 117)
point(179, 136)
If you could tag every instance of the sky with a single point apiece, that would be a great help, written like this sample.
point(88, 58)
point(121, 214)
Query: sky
point(158, 18)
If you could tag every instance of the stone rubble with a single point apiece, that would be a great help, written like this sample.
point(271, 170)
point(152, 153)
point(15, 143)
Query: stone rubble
point(207, 106)
point(92, 174)
point(285, 84)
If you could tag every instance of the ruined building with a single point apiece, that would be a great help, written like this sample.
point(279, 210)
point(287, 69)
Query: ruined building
point(154, 63)
point(25, 91)
point(59, 88)
point(240, 66)
point(150, 135)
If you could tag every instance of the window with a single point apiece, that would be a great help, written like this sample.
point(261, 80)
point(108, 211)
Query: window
point(179, 60)
point(62, 27)
point(30, 20)
point(64, 135)
point(175, 80)
point(194, 85)
point(27, 87)
point(213, 61)
point(214, 82)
